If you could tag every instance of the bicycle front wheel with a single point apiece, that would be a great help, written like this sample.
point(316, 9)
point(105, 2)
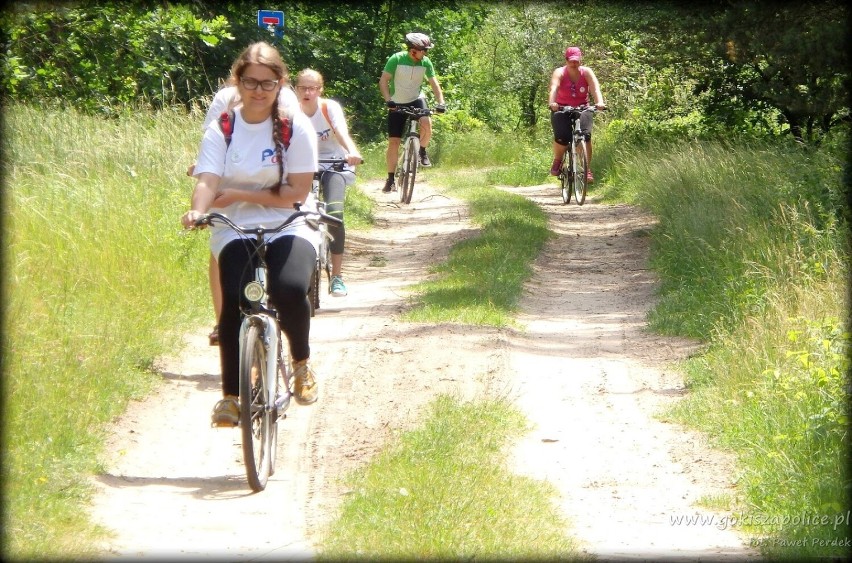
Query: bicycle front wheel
point(314, 288)
point(580, 169)
point(409, 170)
point(256, 420)
point(566, 177)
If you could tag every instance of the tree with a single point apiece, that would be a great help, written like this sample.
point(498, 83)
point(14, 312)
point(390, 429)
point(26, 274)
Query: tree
point(789, 60)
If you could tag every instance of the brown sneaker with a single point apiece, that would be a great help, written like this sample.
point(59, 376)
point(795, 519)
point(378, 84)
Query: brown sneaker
point(305, 387)
point(226, 413)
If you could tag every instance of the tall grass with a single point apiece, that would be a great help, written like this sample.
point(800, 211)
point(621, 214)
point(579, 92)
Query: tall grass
point(752, 250)
point(98, 280)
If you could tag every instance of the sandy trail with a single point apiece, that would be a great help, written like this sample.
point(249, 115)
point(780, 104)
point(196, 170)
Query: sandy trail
point(583, 369)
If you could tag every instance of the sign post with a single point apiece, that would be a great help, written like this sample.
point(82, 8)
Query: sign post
point(272, 21)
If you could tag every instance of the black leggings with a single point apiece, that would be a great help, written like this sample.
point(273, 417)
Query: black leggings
point(291, 261)
point(333, 185)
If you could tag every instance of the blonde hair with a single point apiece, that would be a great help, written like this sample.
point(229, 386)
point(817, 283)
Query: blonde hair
point(311, 73)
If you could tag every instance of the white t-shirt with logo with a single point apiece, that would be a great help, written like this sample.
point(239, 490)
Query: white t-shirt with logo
point(250, 163)
point(328, 145)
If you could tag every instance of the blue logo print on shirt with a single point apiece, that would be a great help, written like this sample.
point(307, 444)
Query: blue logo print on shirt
point(268, 153)
point(324, 135)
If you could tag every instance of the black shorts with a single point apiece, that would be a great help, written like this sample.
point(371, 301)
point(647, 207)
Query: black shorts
point(563, 125)
point(396, 120)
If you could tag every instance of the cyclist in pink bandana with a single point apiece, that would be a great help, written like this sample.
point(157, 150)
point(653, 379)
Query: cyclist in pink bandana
point(571, 85)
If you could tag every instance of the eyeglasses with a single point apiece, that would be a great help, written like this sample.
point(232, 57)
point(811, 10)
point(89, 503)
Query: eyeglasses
point(419, 50)
point(308, 88)
point(253, 83)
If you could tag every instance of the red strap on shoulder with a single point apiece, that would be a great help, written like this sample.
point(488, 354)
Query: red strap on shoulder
point(286, 132)
point(226, 124)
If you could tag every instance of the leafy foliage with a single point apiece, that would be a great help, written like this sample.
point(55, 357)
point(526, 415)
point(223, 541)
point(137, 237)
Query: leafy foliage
point(699, 70)
point(103, 57)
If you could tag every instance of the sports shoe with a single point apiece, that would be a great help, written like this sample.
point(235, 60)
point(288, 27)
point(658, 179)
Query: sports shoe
point(390, 186)
point(305, 387)
point(338, 288)
point(226, 413)
point(424, 159)
point(589, 178)
point(214, 336)
point(554, 168)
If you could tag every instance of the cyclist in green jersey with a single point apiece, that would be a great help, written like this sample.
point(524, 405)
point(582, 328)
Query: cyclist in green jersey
point(400, 85)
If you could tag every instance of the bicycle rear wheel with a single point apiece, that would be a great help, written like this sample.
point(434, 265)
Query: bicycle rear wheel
point(580, 172)
point(256, 420)
point(566, 178)
point(409, 170)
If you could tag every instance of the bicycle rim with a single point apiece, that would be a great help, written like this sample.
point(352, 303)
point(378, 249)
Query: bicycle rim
point(408, 170)
point(565, 177)
point(580, 176)
point(412, 173)
point(256, 421)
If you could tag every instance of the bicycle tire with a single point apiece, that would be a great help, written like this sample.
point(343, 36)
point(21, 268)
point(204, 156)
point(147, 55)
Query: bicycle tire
point(409, 169)
point(565, 177)
point(314, 289)
point(325, 258)
point(256, 420)
point(580, 184)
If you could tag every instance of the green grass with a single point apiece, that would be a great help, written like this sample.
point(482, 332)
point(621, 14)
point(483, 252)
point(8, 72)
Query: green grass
point(751, 248)
point(91, 226)
point(483, 278)
point(442, 493)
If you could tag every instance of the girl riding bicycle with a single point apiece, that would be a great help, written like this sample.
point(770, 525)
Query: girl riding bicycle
point(333, 141)
point(570, 85)
point(256, 179)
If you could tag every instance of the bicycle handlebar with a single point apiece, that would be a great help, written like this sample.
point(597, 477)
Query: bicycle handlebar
point(413, 111)
point(336, 163)
point(569, 109)
point(312, 218)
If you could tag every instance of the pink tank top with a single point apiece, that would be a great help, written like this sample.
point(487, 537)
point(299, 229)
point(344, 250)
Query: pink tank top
point(573, 93)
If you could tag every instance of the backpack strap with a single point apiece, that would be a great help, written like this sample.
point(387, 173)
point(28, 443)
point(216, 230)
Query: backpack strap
point(226, 124)
point(324, 109)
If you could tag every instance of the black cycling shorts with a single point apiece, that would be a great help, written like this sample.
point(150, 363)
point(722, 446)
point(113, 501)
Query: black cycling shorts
point(396, 120)
point(563, 124)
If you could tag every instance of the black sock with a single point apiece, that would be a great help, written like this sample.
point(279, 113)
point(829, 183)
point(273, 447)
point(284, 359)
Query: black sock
point(390, 176)
point(422, 151)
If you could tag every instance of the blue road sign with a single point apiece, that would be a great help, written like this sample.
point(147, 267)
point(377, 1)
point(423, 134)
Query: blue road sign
point(271, 20)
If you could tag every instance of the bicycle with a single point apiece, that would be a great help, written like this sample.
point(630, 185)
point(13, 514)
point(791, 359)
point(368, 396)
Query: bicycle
point(324, 254)
point(409, 160)
point(265, 386)
point(575, 164)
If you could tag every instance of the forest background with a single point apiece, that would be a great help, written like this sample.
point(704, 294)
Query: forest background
point(698, 68)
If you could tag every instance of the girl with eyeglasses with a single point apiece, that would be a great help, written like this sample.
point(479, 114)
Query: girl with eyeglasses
point(256, 180)
point(333, 142)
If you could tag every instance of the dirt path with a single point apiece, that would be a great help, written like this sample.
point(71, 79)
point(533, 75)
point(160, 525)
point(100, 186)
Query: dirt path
point(583, 370)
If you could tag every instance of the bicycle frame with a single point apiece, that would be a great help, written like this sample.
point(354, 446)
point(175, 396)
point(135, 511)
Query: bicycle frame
point(260, 340)
point(324, 253)
point(572, 172)
point(409, 161)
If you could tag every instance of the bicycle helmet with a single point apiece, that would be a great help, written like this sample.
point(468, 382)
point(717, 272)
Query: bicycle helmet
point(418, 41)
